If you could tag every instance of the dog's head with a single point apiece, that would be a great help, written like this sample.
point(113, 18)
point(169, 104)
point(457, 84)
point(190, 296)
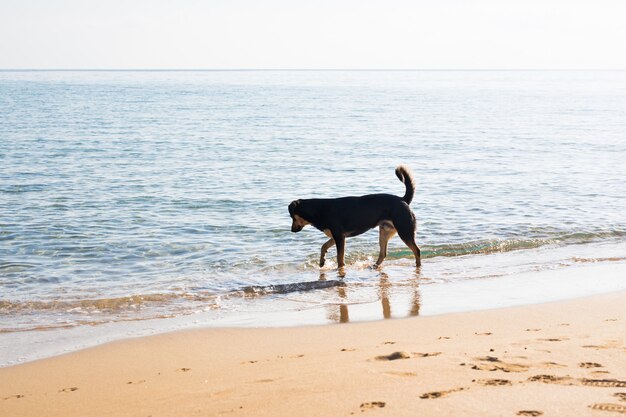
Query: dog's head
point(298, 222)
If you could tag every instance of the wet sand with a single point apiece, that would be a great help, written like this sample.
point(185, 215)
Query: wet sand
point(561, 358)
point(387, 294)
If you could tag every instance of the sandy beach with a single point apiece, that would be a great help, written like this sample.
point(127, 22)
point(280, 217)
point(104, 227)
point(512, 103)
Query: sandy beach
point(459, 168)
point(554, 359)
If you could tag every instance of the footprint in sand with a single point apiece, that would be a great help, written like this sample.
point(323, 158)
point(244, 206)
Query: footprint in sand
point(393, 356)
point(482, 334)
point(372, 405)
point(71, 389)
point(439, 394)
point(608, 383)
point(589, 365)
point(402, 374)
point(493, 382)
point(491, 363)
point(609, 344)
point(488, 358)
point(566, 380)
point(141, 381)
point(552, 379)
point(617, 408)
point(533, 413)
point(16, 396)
point(620, 395)
point(554, 339)
point(551, 365)
point(183, 369)
point(427, 354)
point(263, 381)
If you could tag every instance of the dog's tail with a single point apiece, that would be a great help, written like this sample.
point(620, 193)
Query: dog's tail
point(404, 174)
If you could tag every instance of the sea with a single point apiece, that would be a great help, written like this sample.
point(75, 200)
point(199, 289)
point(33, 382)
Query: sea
point(137, 202)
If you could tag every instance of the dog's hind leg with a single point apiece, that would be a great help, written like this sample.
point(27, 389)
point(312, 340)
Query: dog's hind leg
point(325, 248)
point(410, 242)
point(405, 224)
point(385, 232)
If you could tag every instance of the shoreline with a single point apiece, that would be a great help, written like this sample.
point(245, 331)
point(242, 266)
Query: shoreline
point(420, 299)
point(559, 358)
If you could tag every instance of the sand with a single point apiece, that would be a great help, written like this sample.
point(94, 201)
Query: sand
point(559, 359)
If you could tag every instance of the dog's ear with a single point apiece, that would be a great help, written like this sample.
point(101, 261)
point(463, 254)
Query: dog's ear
point(293, 205)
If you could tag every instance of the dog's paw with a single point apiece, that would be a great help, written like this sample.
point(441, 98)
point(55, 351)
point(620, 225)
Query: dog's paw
point(322, 262)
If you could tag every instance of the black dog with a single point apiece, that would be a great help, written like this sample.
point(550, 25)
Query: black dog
point(344, 217)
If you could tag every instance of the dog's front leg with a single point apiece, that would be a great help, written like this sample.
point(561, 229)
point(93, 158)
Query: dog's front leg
point(325, 248)
point(340, 242)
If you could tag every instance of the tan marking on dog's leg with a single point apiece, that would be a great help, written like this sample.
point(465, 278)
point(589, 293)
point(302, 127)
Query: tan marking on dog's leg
point(385, 232)
point(341, 246)
point(325, 248)
point(416, 251)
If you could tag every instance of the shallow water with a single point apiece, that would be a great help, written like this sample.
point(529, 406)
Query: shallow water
point(137, 195)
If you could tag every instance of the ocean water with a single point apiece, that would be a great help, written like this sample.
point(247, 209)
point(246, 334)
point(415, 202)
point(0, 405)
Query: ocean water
point(130, 196)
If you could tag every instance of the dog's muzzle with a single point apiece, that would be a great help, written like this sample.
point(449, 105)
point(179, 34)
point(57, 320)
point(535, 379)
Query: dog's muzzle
point(296, 228)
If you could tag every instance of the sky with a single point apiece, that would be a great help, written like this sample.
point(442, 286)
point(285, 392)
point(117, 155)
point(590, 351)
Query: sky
point(325, 34)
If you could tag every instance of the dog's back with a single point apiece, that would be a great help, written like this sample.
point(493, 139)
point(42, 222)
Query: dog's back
point(355, 215)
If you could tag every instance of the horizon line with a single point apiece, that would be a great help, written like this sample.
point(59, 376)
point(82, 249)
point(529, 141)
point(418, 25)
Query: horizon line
point(294, 69)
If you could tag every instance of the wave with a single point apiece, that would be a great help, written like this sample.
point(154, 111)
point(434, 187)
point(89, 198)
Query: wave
point(22, 188)
point(109, 305)
point(93, 312)
point(76, 323)
point(489, 246)
point(15, 266)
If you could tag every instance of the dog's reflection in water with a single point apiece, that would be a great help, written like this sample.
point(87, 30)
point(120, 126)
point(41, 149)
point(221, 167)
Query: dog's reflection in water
point(340, 312)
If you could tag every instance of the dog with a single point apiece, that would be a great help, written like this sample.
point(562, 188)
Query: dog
point(345, 217)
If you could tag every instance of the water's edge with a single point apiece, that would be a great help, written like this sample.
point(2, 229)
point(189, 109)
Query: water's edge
point(529, 288)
